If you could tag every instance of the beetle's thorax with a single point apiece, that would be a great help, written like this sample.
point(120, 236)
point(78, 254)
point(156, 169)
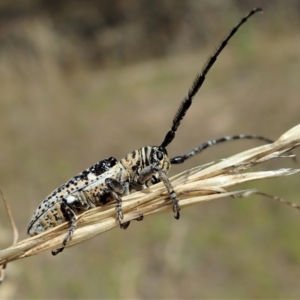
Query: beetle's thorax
point(138, 160)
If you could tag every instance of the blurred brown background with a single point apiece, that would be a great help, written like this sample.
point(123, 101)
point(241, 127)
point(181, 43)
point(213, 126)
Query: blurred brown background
point(84, 80)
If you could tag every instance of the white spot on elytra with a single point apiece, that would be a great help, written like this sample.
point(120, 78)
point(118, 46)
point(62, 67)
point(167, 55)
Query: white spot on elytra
point(91, 176)
point(70, 199)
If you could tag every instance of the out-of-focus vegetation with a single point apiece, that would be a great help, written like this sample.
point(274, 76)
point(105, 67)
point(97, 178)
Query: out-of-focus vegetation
point(84, 80)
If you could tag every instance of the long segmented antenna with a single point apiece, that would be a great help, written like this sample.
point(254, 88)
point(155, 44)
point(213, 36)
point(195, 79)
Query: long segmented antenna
point(182, 158)
point(186, 103)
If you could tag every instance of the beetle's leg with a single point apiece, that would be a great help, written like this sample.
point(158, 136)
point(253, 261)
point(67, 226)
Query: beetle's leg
point(70, 215)
point(117, 189)
point(140, 217)
point(147, 173)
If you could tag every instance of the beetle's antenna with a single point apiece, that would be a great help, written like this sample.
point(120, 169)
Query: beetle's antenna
point(182, 158)
point(186, 103)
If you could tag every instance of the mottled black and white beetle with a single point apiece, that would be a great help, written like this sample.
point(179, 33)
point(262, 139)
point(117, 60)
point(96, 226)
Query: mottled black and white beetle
point(110, 179)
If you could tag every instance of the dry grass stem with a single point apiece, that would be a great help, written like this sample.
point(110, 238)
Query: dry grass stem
point(202, 183)
point(15, 232)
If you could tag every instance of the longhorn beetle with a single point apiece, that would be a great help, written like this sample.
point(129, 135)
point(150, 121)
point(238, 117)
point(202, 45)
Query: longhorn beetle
point(109, 179)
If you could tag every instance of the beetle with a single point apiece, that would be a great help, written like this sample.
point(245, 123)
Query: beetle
point(108, 180)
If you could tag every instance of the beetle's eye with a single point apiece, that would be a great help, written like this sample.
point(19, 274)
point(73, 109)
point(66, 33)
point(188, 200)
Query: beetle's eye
point(160, 156)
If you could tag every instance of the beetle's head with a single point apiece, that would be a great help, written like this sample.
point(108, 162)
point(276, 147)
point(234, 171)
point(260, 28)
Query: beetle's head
point(158, 156)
